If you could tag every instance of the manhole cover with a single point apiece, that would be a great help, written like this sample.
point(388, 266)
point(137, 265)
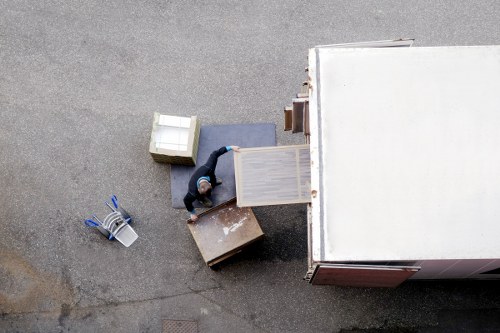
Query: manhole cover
point(179, 326)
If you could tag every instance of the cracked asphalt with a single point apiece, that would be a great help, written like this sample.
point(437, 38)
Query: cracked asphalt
point(79, 83)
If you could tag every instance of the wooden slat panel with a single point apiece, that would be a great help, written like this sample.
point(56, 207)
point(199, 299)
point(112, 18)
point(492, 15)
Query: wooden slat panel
point(273, 175)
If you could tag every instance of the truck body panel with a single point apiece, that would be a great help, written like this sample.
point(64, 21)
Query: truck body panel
point(404, 158)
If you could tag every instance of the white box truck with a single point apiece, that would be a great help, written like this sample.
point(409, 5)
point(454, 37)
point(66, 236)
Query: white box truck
point(405, 163)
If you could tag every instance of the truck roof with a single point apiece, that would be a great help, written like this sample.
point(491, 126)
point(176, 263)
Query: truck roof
point(405, 153)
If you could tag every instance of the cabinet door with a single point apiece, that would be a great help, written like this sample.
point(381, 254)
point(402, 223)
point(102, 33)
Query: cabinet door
point(362, 275)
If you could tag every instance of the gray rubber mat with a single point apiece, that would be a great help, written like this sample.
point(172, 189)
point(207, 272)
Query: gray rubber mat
point(213, 137)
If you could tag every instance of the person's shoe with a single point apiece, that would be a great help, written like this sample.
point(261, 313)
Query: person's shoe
point(218, 181)
point(207, 203)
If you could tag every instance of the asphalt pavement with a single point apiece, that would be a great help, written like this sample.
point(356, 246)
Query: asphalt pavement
point(79, 83)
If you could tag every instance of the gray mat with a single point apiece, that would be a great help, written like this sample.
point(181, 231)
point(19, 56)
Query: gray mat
point(213, 137)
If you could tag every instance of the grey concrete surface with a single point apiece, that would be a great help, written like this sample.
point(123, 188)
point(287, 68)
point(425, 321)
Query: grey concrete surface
point(79, 82)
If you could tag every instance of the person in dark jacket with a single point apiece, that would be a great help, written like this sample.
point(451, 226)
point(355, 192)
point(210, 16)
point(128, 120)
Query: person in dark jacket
point(203, 181)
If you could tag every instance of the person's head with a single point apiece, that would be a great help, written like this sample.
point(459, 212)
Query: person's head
point(205, 187)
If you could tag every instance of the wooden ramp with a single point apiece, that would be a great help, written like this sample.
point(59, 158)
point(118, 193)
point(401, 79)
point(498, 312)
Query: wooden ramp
point(273, 175)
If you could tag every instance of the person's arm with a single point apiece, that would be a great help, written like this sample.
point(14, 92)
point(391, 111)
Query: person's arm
point(193, 217)
point(233, 148)
point(212, 160)
point(188, 202)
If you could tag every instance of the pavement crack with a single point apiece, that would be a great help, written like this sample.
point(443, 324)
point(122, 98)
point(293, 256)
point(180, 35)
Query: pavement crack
point(233, 313)
point(107, 303)
point(197, 292)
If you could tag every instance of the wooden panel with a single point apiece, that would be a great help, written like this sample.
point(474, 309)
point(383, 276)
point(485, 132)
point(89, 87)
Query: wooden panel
point(307, 131)
point(362, 276)
point(224, 230)
point(288, 118)
point(273, 175)
point(298, 114)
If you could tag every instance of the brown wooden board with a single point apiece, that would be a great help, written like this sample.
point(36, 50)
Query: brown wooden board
point(224, 230)
point(362, 276)
point(307, 130)
point(298, 107)
point(288, 118)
